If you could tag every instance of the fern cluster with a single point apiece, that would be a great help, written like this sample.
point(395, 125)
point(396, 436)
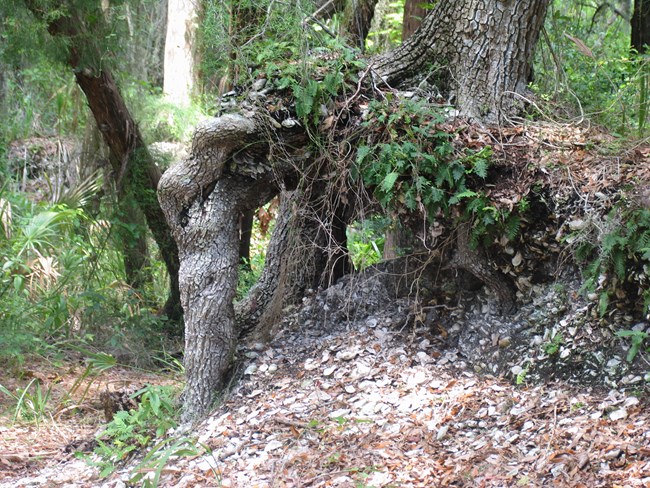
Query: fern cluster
point(412, 166)
point(619, 258)
point(136, 429)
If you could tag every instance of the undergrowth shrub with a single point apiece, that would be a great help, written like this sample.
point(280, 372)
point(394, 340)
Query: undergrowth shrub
point(583, 65)
point(136, 429)
point(412, 167)
point(62, 279)
point(615, 254)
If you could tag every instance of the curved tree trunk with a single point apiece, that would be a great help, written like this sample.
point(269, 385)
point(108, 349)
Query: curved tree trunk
point(307, 250)
point(483, 49)
point(133, 165)
point(486, 47)
point(136, 168)
point(203, 198)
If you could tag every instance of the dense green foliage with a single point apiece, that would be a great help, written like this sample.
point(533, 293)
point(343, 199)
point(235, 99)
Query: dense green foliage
point(61, 280)
point(585, 69)
point(617, 256)
point(413, 167)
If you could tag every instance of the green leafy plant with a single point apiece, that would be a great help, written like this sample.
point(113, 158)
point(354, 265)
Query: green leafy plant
point(637, 338)
point(366, 241)
point(521, 376)
point(137, 428)
point(147, 473)
point(617, 257)
point(412, 166)
point(30, 402)
point(553, 346)
point(96, 364)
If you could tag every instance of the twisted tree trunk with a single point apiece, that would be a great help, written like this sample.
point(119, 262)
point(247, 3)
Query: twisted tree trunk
point(203, 197)
point(485, 48)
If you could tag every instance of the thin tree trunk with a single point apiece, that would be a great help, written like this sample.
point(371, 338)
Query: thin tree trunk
point(641, 25)
point(180, 52)
point(413, 15)
point(132, 163)
point(245, 234)
point(132, 233)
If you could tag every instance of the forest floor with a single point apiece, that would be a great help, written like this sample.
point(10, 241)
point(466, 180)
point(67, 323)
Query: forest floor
point(360, 408)
point(377, 402)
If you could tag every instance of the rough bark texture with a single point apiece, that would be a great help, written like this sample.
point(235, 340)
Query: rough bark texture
point(482, 49)
point(203, 198)
point(641, 25)
point(307, 251)
point(133, 165)
point(474, 261)
point(204, 195)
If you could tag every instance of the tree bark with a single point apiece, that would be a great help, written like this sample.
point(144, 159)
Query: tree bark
point(180, 52)
point(203, 197)
point(413, 15)
point(641, 25)
point(133, 165)
point(482, 48)
point(307, 251)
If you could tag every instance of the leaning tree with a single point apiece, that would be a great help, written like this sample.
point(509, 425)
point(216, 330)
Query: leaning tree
point(477, 52)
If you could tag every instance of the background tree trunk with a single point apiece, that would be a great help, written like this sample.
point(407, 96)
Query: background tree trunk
point(245, 233)
point(180, 52)
point(414, 12)
point(641, 25)
point(133, 164)
point(136, 168)
point(358, 23)
point(482, 48)
point(132, 233)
